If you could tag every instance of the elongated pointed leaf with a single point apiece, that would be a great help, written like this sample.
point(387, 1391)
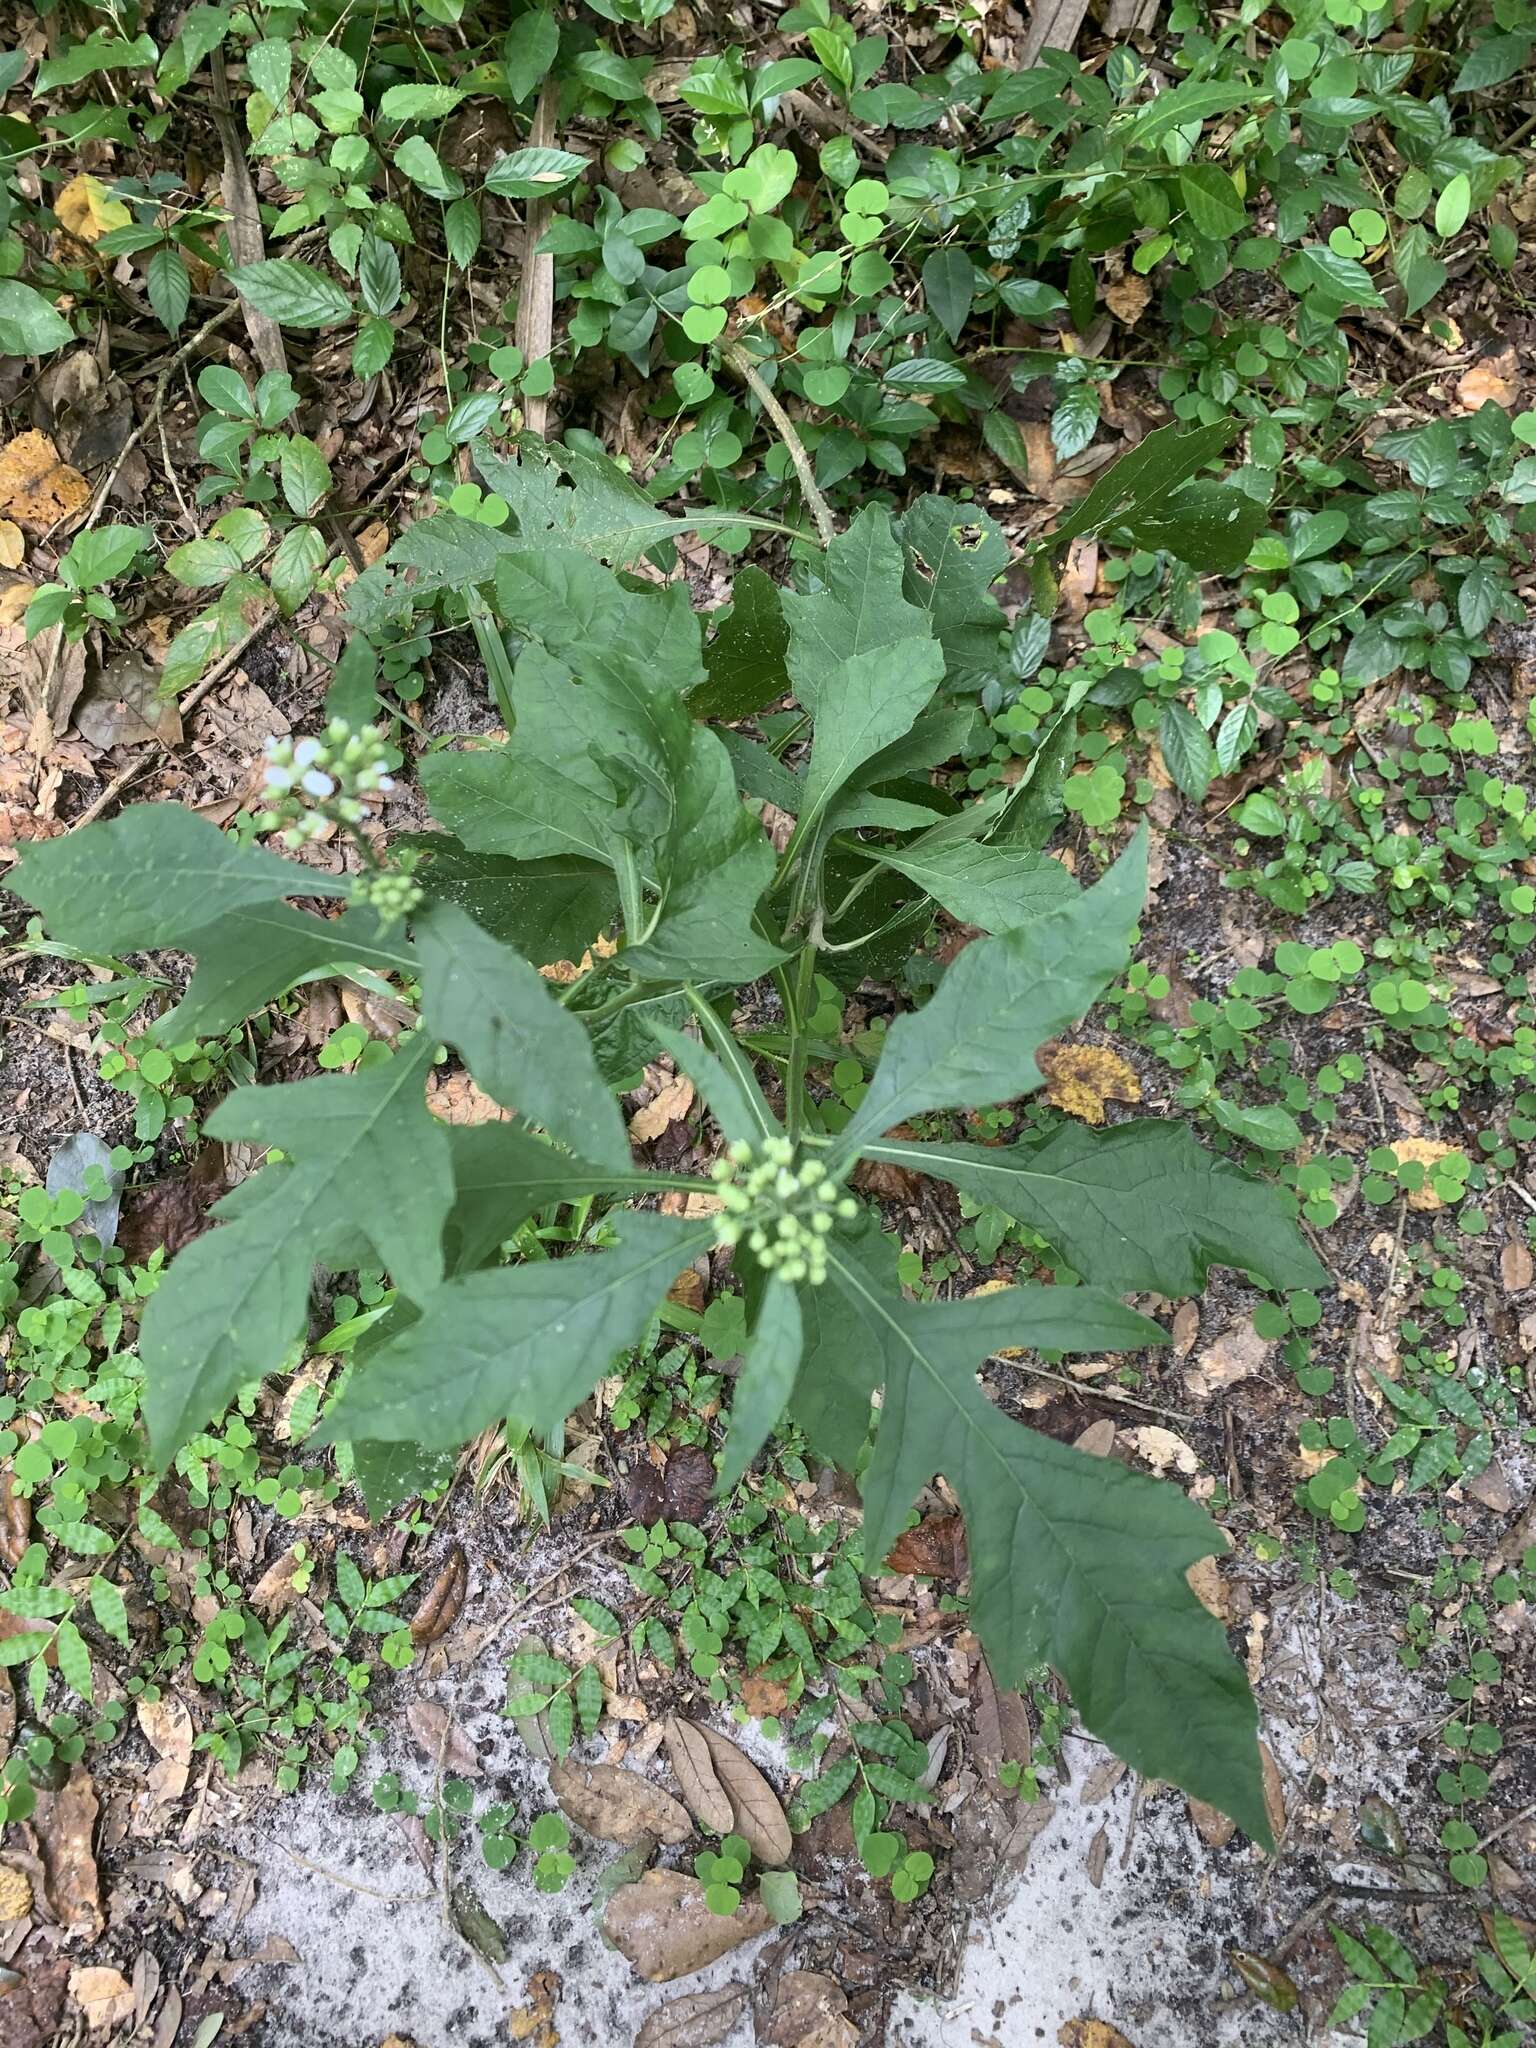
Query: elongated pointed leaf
point(151, 878)
point(861, 607)
point(1142, 1206)
point(1141, 482)
point(257, 953)
point(996, 887)
point(864, 704)
point(1074, 1560)
point(531, 1340)
point(765, 1382)
point(522, 1047)
point(975, 1041)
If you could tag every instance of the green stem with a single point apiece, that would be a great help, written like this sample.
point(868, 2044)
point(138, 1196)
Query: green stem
point(805, 982)
point(493, 652)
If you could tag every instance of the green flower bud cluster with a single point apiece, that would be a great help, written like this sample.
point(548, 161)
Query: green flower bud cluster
point(781, 1206)
point(392, 894)
point(312, 783)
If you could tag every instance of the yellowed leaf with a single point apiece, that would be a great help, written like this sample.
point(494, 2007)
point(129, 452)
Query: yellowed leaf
point(86, 212)
point(672, 1101)
point(15, 1893)
point(1091, 2034)
point(36, 489)
point(13, 544)
point(1081, 1078)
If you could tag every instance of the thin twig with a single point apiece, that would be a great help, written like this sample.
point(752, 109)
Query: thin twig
point(156, 401)
point(351, 1884)
point(1098, 1393)
point(794, 447)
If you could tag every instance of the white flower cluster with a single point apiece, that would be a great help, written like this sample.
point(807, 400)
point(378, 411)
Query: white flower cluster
point(783, 1207)
point(392, 894)
point(316, 782)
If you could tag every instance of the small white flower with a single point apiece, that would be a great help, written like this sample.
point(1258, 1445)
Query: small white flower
point(317, 785)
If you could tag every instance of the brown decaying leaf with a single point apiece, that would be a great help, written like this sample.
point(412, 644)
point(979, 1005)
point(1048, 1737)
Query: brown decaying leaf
point(437, 1736)
point(1423, 1152)
point(809, 2011)
point(65, 1822)
point(13, 544)
point(1494, 381)
point(15, 1518)
point(687, 1483)
point(1097, 1857)
point(1274, 1791)
point(533, 2022)
point(1238, 1354)
point(444, 1598)
point(1129, 299)
point(15, 1893)
point(1214, 1828)
point(694, 1767)
point(104, 1996)
point(1515, 1268)
point(166, 1726)
point(1080, 1079)
point(37, 490)
point(275, 1589)
point(1098, 1439)
point(663, 1928)
point(758, 1816)
point(1091, 2034)
point(670, 1102)
point(696, 2019)
point(935, 1549)
point(617, 1805)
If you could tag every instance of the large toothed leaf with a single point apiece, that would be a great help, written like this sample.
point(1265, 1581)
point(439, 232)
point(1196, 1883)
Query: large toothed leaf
point(974, 1041)
point(1074, 1560)
point(256, 953)
point(150, 878)
point(766, 1379)
point(531, 1340)
point(366, 1160)
point(996, 887)
point(860, 608)
point(527, 1052)
point(1142, 1206)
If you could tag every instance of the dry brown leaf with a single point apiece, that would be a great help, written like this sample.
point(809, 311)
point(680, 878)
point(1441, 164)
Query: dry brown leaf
point(1209, 1587)
point(167, 1727)
point(1274, 1791)
point(617, 1805)
point(1515, 1268)
point(1080, 1079)
point(65, 1822)
point(438, 1736)
point(1424, 1152)
point(763, 1696)
point(759, 1818)
point(935, 1549)
point(1129, 299)
point(665, 1107)
point(1490, 382)
point(1215, 1829)
point(444, 1598)
point(275, 1589)
point(37, 490)
point(1091, 2034)
point(810, 2010)
point(1161, 1448)
point(13, 544)
point(1098, 1439)
point(456, 1099)
point(663, 1928)
point(15, 1519)
point(1097, 1857)
point(15, 1893)
point(1236, 1355)
point(687, 1290)
point(104, 1996)
point(698, 2019)
point(694, 1767)
point(533, 2021)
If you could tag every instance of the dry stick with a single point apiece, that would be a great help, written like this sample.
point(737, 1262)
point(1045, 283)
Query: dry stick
point(244, 225)
point(156, 405)
point(536, 296)
point(1088, 1388)
point(747, 370)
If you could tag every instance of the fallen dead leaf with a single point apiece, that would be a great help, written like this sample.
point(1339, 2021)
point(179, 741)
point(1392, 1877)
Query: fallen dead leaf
point(65, 1822)
point(697, 2019)
point(1236, 1355)
point(275, 1589)
point(694, 1767)
point(617, 1805)
point(37, 490)
point(1515, 1268)
point(1091, 2034)
point(444, 1598)
point(456, 1099)
point(762, 1696)
point(122, 705)
point(15, 1893)
point(1215, 1829)
point(935, 1549)
point(1274, 1791)
point(664, 1930)
point(104, 1996)
point(672, 1101)
point(86, 212)
point(166, 1726)
point(1423, 1152)
point(1080, 1079)
point(1493, 381)
point(437, 1736)
point(15, 1519)
point(534, 2020)
point(1098, 1439)
point(13, 544)
point(755, 1809)
point(1209, 1587)
point(810, 2010)
point(1161, 1448)
point(1129, 299)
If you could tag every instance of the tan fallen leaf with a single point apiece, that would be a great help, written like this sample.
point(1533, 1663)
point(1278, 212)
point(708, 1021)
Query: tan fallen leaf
point(13, 544)
point(85, 210)
point(617, 1805)
point(104, 1996)
point(1423, 1152)
point(1215, 1829)
point(1098, 1439)
point(696, 2019)
point(1162, 1449)
point(694, 1768)
point(65, 1822)
point(15, 1893)
point(1080, 1079)
point(1493, 381)
point(1236, 1355)
point(1129, 299)
point(664, 1930)
point(37, 489)
point(443, 1600)
point(759, 1819)
point(1091, 2034)
point(1274, 1791)
point(1515, 1268)
point(672, 1101)
point(1209, 1587)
